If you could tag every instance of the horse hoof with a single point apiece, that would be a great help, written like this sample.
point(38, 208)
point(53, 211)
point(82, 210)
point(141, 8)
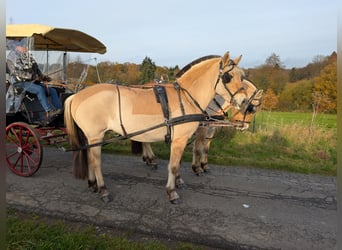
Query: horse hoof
point(205, 167)
point(92, 185)
point(176, 201)
point(181, 186)
point(154, 166)
point(199, 173)
point(197, 170)
point(107, 198)
point(173, 196)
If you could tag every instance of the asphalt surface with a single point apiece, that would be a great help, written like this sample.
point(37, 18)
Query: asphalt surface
point(229, 208)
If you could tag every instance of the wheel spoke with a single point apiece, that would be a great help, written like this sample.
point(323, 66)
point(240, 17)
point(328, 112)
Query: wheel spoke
point(23, 149)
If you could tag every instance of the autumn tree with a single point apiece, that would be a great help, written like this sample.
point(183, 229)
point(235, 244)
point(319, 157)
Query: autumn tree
point(325, 89)
point(269, 100)
point(271, 74)
point(296, 96)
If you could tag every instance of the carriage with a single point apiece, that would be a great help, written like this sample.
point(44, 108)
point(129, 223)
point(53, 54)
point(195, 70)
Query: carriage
point(27, 127)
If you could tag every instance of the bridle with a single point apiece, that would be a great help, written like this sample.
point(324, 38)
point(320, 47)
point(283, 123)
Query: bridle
point(225, 79)
point(251, 108)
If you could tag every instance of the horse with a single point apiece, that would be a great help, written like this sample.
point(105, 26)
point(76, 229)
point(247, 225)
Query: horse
point(136, 113)
point(204, 134)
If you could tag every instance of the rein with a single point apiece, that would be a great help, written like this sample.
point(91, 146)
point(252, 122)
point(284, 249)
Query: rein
point(171, 122)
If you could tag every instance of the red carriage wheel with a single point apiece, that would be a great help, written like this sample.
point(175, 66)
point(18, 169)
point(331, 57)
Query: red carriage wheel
point(24, 152)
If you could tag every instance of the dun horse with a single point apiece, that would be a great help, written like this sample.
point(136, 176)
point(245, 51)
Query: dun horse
point(203, 136)
point(137, 113)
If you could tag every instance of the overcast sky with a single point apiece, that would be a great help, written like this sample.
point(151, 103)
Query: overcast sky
point(175, 32)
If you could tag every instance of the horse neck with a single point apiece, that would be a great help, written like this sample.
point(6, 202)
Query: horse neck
point(200, 81)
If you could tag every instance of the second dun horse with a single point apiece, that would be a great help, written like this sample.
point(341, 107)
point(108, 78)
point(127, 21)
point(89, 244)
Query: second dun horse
point(218, 108)
point(137, 113)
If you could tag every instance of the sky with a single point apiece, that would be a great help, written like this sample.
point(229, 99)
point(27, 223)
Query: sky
point(175, 32)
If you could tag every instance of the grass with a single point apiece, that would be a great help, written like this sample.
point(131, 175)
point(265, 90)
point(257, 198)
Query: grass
point(30, 231)
point(278, 140)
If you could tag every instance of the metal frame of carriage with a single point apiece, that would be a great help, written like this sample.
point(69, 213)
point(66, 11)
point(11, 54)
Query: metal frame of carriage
point(26, 131)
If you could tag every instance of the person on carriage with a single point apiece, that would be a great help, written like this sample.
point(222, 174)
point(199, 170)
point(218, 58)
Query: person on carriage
point(25, 73)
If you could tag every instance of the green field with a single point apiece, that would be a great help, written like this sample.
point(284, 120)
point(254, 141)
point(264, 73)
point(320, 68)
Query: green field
point(290, 118)
point(277, 140)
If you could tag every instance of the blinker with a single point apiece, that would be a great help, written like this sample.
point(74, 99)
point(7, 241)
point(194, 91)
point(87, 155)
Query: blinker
point(226, 78)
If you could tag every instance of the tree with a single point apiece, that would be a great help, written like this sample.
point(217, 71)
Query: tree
point(269, 100)
point(274, 61)
point(147, 70)
point(325, 89)
point(296, 96)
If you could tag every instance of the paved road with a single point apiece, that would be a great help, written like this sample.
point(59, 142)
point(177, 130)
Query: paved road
point(231, 207)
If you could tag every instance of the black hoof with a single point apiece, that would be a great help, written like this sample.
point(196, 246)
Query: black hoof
point(181, 186)
point(176, 201)
point(154, 166)
point(107, 198)
point(205, 167)
point(199, 173)
point(197, 170)
point(92, 185)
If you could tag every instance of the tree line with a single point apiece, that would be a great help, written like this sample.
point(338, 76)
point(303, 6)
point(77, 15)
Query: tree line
point(305, 89)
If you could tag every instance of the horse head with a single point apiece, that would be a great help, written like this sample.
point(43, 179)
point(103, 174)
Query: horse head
point(254, 102)
point(229, 83)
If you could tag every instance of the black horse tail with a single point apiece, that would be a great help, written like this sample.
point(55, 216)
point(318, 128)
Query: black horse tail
point(136, 147)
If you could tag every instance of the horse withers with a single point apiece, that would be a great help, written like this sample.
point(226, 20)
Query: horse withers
point(103, 107)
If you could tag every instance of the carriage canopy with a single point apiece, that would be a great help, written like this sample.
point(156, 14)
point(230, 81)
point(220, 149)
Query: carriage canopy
point(55, 39)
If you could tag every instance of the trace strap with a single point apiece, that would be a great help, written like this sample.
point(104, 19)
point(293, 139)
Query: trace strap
point(170, 122)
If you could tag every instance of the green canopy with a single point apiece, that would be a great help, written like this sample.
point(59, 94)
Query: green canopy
point(55, 39)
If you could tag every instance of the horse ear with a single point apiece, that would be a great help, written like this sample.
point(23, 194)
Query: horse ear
point(258, 98)
point(225, 58)
point(237, 60)
point(259, 93)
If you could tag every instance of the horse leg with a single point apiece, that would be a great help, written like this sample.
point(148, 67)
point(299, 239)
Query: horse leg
point(177, 149)
point(148, 156)
point(206, 145)
point(92, 184)
point(197, 151)
point(94, 161)
point(179, 181)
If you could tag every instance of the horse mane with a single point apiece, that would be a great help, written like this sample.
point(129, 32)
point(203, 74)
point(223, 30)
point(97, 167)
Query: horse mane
point(188, 66)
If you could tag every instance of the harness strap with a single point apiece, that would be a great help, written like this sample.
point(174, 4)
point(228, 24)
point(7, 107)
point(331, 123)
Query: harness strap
point(120, 115)
point(220, 107)
point(178, 88)
point(161, 97)
point(171, 122)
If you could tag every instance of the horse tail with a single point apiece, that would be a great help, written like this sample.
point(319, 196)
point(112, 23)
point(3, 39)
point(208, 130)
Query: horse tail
point(136, 147)
point(76, 140)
